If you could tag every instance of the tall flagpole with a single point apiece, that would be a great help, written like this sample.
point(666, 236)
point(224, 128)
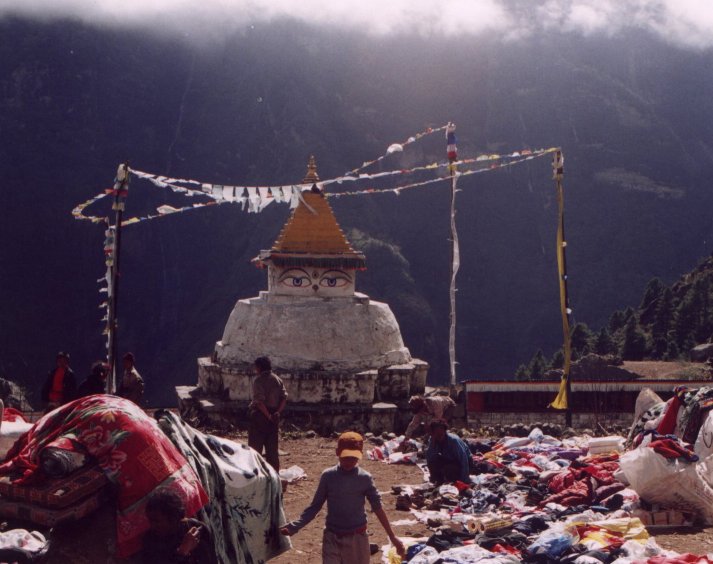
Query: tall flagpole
point(121, 191)
point(452, 152)
point(563, 399)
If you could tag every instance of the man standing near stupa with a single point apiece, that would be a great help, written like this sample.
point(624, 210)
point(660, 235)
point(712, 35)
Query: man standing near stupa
point(269, 398)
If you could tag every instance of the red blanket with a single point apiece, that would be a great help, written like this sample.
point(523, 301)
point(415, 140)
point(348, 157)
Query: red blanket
point(129, 447)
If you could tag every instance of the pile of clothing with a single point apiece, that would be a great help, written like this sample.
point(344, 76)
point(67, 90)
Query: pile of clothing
point(397, 451)
point(537, 499)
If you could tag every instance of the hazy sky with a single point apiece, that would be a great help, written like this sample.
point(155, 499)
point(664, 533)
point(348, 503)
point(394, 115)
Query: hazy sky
point(688, 23)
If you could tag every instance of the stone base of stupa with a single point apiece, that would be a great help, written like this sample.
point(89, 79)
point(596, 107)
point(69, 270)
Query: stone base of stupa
point(374, 400)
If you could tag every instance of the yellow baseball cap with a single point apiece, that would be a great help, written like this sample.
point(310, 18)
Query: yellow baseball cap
point(350, 444)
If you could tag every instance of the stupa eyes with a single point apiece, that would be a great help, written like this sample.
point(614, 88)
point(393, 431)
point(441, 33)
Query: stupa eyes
point(295, 278)
point(334, 279)
point(299, 278)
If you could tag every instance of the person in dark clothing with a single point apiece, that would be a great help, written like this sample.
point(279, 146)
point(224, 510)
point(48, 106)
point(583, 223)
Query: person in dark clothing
point(447, 456)
point(61, 385)
point(173, 539)
point(269, 399)
point(131, 386)
point(95, 382)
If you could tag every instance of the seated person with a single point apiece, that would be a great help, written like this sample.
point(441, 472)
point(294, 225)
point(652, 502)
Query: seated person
point(447, 456)
point(95, 382)
point(172, 538)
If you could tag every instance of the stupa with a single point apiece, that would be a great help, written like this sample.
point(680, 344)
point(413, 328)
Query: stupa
point(339, 353)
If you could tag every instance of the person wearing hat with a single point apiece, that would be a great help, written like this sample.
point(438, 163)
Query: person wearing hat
point(61, 385)
point(131, 386)
point(448, 458)
point(345, 487)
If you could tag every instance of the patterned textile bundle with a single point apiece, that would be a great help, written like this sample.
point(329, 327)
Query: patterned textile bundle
point(130, 449)
point(245, 509)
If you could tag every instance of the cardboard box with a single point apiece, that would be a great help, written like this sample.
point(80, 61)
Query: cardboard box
point(665, 518)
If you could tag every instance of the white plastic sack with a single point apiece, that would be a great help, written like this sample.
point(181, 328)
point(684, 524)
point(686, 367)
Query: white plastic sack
point(704, 442)
point(292, 474)
point(671, 483)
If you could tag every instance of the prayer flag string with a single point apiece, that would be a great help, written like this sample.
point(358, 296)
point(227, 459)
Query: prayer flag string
point(254, 199)
point(397, 148)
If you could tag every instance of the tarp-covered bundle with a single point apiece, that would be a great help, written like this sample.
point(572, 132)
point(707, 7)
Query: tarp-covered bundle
point(131, 450)
point(245, 509)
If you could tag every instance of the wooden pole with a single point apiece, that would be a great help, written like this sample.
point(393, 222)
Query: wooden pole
point(121, 188)
point(452, 153)
point(455, 265)
point(558, 174)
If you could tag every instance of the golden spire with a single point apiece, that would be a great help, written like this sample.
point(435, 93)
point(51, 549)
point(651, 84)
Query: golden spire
point(312, 236)
point(311, 177)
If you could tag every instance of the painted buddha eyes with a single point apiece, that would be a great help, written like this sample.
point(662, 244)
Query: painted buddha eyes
point(333, 280)
point(295, 278)
point(299, 278)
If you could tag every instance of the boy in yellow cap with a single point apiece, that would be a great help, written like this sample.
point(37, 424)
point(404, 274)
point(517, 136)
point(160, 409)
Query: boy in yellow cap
point(345, 487)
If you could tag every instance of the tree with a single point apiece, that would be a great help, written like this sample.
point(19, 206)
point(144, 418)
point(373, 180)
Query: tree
point(628, 314)
point(581, 340)
point(604, 344)
point(634, 341)
point(653, 291)
point(663, 316)
point(659, 348)
point(616, 321)
point(703, 288)
point(672, 352)
point(557, 360)
point(686, 321)
point(521, 373)
point(537, 366)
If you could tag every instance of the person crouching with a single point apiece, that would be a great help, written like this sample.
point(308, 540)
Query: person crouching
point(447, 456)
point(172, 538)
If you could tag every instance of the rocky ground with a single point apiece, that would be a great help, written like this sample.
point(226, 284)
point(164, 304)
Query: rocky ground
point(90, 541)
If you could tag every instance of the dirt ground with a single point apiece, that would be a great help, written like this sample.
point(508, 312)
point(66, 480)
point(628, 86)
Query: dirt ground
point(313, 455)
point(90, 541)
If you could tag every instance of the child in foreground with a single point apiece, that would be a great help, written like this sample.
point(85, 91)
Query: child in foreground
point(345, 487)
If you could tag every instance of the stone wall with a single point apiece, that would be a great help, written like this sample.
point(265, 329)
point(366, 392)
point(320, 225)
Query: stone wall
point(389, 384)
point(579, 420)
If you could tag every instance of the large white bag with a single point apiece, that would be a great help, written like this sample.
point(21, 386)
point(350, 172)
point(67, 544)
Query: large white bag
point(673, 484)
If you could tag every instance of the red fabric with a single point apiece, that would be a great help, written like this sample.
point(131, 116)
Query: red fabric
point(668, 423)
point(561, 482)
point(686, 558)
point(672, 449)
point(601, 459)
point(56, 390)
point(12, 415)
point(129, 447)
point(600, 473)
point(579, 493)
point(505, 549)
